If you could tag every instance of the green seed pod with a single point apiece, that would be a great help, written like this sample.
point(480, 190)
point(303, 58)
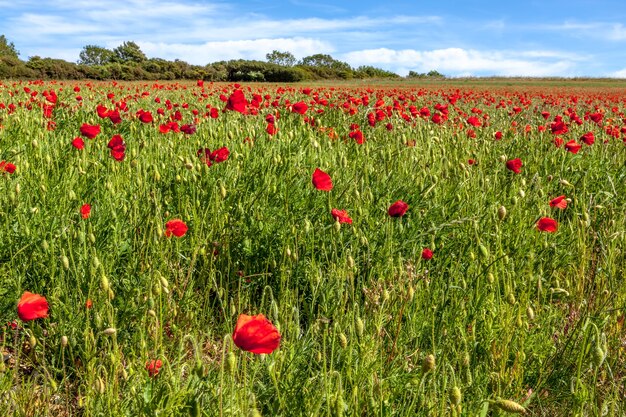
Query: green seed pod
point(598, 355)
point(109, 331)
point(509, 406)
point(104, 283)
point(428, 364)
point(490, 278)
point(222, 191)
point(45, 246)
point(18, 188)
point(350, 262)
point(410, 293)
point(337, 226)
point(530, 313)
point(32, 341)
point(64, 341)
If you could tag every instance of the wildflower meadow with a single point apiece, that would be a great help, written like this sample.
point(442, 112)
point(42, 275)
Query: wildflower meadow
point(332, 249)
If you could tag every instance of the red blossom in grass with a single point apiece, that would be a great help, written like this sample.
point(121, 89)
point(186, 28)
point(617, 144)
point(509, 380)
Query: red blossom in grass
point(559, 202)
point(88, 304)
point(237, 102)
point(153, 366)
point(546, 224)
point(220, 155)
point(145, 116)
point(7, 167)
point(271, 129)
point(102, 111)
point(188, 129)
point(89, 131)
point(85, 211)
point(321, 180)
point(299, 107)
point(78, 143)
point(588, 138)
point(572, 146)
point(427, 254)
point(471, 161)
point(558, 141)
point(117, 147)
point(357, 135)
point(214, 113)
point(341, 216)
point(514, 165)
point(498, 135)
point(175, 227)
point(596, 117)
point(256, 334)
point(558, 127)
point(32, 306)
point(398, 209)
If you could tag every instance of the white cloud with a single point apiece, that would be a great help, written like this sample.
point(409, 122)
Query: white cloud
point(617, 33)
point(242, 49)
point(457, 61)
point(618, 74)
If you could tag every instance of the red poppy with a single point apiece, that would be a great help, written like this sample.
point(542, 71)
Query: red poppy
point(588, 138)
point(85, 211)
point(558, 127)
point(572, 146)
point(7, 167)
point(188, 129)
point(256, 334)
point(321, 180)
point(175, 227)
point(427, 254)
point(271, 129)
point(398, 209)
point(357, 135)
point(118, 147)
point(514, 165)
point(78, 143)
point(498, 135)
point(559, 202)
point(153, 366)
point(546, 224)
point(341, 216)
point(145, 116)
point(32, 306)
point(237, 102)
point(88, 304)
point(299, 107)
point(219, 155)
point(89, 131)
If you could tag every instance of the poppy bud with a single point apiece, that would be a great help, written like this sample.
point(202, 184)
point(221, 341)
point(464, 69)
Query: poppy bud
point(521, 193)
point(510, 298)
point(110, 331)
point(428, 364)
point(501, 212)
point(502, 158)
point(65, 262)
point(530, 313)
point(565, 183)
point(483, 251)
point(45, 245)
point(343, 340)
point(410, 293)
point(490, 278)
point(104, 283)
point(510, 406)
point(455, 395)
point(32, 341)
point(71, 195)
point(360, 327)
point(231, 361)
point(17, 188)
point(337, 226)
point(598, 355)
point(64, 341)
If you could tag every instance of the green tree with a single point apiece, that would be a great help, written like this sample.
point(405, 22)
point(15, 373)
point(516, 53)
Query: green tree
point(95, 55)
point(129, 52)
point(286, 59)
point(7, 48)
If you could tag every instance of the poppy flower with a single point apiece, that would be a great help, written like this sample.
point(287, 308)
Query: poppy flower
point(85, 211)
point(572, 146)
point(321, 180)
point(546, 224)
point(237, 102)
point(427, 254)
point(559, 202)
point(118, 147)
point(256, 334)
point(271, 129)
point(78, 143)
point(498, 135)
point(89, 131)
point(299, 107)
point(341, 216)
point(175, 227)
point(7, 167)
point(32, 306)
point(398, 209)
point(188, 129)
point(588, 138)
point(88, 304)
point(153, 366)
point(514, 165)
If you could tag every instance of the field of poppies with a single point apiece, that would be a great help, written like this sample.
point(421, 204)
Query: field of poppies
point(211, 249)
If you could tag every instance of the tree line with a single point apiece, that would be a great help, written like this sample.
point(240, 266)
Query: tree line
point(128, 62)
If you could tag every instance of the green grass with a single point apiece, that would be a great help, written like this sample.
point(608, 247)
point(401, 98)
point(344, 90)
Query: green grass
point(507, 312)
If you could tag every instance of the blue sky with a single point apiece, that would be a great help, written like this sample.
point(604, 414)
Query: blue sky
point(509, 38)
